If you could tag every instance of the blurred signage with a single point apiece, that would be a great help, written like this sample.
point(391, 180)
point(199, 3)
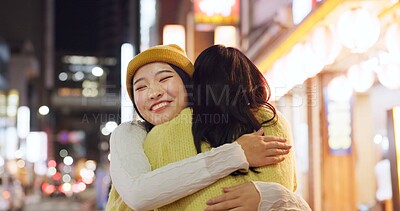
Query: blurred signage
point(12, 103)
point(396, 122)
point(3, 104)
point(4, 57)
point(339, 127)
point(11, 143)
point(36, 147)
point(226, 35)
point(174, 34)
point(393, 131)
point(23, 121)
point(338, 108)
point(301, 8)
point(221, 12)
point(71, 137)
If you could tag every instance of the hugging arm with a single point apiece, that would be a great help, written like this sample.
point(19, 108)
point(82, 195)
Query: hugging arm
point(143, 189)
point(282, 199)
point(275, 194)
point(261, 196)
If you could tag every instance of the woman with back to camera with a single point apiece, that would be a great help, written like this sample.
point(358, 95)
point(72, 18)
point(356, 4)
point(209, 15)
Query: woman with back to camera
point(131, 178)
point(243, 94)
point(240, 93)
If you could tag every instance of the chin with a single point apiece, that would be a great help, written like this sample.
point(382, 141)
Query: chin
point(160, 121)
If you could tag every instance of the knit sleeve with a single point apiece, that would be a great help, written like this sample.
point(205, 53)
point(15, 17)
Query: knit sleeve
point(276, 197)
point(143, 189)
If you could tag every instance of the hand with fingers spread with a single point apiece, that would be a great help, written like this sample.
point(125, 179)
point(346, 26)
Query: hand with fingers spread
point(259, 196)
point(243, 197)
point(263, 150)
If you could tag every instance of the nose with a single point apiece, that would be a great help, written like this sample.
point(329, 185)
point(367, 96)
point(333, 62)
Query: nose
point(155, 92)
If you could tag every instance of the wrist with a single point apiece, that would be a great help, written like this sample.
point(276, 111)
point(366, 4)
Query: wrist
point(239, 150)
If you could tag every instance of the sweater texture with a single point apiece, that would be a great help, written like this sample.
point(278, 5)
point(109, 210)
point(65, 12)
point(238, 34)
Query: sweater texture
point(173, 141)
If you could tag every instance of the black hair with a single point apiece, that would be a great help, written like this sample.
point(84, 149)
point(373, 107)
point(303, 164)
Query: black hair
point(226, 86)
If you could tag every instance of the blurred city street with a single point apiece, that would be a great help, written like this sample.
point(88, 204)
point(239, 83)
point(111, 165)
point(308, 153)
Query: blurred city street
point(60, 204)
point(331, 70)
point(85, 201)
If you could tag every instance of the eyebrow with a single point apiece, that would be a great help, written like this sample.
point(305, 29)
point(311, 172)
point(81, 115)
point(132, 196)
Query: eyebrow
point(158, 73)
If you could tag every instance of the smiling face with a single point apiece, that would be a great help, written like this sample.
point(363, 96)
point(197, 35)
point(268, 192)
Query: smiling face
point(159, 93)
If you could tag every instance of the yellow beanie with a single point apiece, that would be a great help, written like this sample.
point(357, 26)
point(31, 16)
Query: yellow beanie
point(171, 54)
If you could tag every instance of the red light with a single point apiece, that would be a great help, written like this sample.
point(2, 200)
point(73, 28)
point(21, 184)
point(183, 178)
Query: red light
point(44, 185)
point(57, 176)
point(60, 189)
point(52, 163)
point(48, 188)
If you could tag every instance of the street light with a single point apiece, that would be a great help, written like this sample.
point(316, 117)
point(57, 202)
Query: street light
point(174, 34)
point(44, 110)
point(97, 71)
point(358, 29)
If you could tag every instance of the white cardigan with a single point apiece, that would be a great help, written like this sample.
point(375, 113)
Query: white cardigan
point(144, 189)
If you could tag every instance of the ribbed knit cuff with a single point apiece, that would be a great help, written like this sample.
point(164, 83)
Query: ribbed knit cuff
point(233, 159)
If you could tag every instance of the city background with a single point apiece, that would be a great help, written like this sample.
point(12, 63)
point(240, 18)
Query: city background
point(332, 66)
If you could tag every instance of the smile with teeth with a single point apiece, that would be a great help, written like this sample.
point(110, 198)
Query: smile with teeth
point(158, 106)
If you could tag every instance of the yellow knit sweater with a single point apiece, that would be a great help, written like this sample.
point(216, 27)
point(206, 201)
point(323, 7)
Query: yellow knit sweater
point(115, 202)
point(173, 141)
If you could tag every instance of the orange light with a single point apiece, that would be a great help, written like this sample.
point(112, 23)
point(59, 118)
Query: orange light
point(6, 194)
point(396, 128)
point(217, 12)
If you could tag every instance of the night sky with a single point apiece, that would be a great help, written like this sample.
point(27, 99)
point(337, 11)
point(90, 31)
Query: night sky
point(76, 25)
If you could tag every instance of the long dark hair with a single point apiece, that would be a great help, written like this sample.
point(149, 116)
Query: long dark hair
point(227, 86)
point(186, 81)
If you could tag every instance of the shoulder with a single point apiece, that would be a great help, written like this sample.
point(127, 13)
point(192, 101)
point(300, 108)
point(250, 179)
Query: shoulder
point(184, 116)
point(179, 126)
point(281, 118)
point(129, 128)
point(182, 119)
point(278, 126)
point(264, 114)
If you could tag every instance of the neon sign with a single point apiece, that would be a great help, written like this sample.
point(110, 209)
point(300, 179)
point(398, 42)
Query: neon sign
point(221, 12)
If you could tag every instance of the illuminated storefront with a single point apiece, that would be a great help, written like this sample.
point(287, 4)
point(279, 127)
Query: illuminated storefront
point(337, 66)
point(394, 152)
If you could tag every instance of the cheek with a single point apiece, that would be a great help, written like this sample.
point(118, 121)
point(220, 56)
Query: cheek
point(177, 89)
point(183, 94)
point(139, 100)
point(181, 97)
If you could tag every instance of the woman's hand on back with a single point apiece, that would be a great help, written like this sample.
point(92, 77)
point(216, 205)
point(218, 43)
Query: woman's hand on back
point(244, 197)
point(263, 150)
